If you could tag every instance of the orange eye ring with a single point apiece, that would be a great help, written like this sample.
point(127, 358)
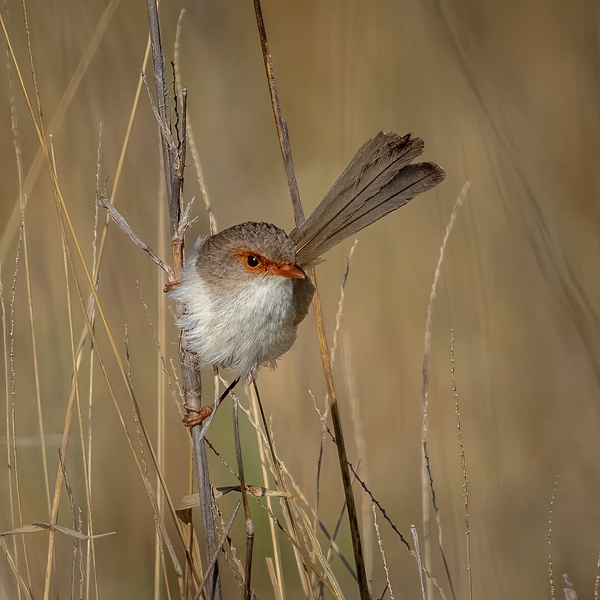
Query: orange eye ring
point(252, 261)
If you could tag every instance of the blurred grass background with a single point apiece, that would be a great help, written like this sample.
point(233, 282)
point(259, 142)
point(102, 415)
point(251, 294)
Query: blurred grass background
point(505, 95)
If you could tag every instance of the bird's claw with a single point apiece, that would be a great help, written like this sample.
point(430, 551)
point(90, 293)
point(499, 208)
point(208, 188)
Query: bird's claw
point(202, 412)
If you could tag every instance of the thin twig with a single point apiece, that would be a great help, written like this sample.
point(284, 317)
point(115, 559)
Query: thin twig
point(116, 216)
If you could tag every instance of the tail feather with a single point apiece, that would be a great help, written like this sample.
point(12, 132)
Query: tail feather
point(378, 180)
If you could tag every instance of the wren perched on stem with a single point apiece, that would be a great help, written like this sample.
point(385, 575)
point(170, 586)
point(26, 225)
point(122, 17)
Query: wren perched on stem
point(245, 290)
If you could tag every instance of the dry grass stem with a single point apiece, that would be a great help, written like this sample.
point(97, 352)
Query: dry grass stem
point(463, 466)
point(30, 303)
point(323, 419)
point(159, 336)
point(275, 582)
point(340, 308)
point(10, 429)
point(340, 444)
point(212, 221)
point(280, 123)
point(122, 223)
point(191, 138)
point(365, 488)
point(265, 465)
point(550, 517)
point(569, 590)
point(427, 490)
point(82, 430)
point(417, 555)
point(213, 561)
point(264, 445)
point(23, 587)
point(383, 560)
point(361, 452)
point(8, 420)
point(12, 416)
point(597, 582)
point(119, 168)
point(249, 525)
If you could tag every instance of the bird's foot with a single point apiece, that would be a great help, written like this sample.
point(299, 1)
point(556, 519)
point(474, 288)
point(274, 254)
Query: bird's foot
point(202, 412)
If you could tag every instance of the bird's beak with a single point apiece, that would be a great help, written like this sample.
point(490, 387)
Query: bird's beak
point(288, 271)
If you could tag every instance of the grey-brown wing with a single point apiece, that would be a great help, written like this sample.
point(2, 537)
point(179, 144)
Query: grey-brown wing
point(378, 180)
point(304, 290)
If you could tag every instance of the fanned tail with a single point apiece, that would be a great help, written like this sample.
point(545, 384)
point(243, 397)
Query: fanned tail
point(378, 180)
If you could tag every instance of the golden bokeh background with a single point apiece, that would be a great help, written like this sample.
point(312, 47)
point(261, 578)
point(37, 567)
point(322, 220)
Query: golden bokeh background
point(505, 95)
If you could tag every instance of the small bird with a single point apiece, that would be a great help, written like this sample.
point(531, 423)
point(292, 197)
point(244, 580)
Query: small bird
point(245, 290)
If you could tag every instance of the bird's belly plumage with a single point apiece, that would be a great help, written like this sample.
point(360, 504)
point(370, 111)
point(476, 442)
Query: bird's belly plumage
point(239, 330)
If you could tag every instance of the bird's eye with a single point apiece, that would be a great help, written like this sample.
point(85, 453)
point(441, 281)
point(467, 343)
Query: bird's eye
point(252, 261)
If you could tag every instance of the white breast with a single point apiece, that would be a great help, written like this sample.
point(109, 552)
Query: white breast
point(240, 331)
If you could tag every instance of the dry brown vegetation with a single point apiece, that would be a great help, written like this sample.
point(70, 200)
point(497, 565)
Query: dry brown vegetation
point(505, 96)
